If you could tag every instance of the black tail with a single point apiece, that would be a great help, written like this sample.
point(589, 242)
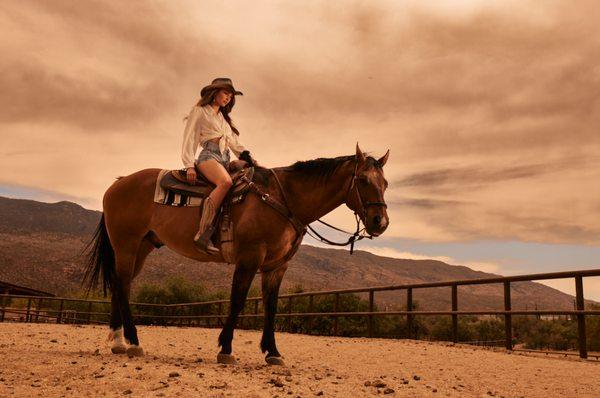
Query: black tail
point(100, 260)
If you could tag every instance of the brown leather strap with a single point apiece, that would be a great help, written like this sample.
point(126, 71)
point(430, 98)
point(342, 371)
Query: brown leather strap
point(280, 208)
point(284, 210)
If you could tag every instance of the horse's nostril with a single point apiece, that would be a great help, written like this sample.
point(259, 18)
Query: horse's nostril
point(377, 220)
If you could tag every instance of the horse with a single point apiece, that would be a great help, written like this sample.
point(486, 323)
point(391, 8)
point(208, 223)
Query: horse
point(132, 226)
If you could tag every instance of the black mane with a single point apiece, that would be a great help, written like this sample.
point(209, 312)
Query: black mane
point(321, 167)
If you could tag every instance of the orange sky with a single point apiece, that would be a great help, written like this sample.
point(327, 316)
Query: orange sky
point(490, 109)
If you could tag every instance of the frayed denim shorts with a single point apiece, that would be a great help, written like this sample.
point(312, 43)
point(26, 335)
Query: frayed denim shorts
point(210, 150)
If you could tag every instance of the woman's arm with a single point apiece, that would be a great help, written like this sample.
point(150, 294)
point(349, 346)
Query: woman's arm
point(236, 146)
point(190, 144)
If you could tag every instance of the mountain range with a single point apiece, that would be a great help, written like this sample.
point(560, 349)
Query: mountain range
point(40, 246)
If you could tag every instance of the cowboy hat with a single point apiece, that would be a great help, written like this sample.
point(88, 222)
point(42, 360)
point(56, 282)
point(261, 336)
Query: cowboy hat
point(220, 82)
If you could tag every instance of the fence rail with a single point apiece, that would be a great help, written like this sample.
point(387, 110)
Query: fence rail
point(192, 313)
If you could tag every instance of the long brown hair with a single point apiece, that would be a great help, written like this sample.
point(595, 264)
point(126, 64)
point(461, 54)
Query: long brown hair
point(209, 98)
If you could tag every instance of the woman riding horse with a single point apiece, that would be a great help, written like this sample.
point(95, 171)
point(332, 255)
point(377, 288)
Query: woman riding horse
point(209, 125)
point(268, 225)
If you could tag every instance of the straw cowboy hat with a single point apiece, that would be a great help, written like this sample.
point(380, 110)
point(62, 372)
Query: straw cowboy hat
point(220, 82)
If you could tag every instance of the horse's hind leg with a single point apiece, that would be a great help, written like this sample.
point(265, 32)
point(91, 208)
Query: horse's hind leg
point(116, 334)
point(271, 281)
point(125, 260)
point(116, 328)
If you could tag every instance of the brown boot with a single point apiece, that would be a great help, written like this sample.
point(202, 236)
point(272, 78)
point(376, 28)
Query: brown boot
point(206, 229)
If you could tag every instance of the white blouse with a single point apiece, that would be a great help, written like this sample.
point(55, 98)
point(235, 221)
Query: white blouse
point(203, 125)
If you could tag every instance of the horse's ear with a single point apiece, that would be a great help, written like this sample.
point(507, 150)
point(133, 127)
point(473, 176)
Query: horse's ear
point(360, 156)
point(382, 161)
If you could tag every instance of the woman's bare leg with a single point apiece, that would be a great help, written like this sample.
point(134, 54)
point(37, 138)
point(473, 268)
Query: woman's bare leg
point(216, 173)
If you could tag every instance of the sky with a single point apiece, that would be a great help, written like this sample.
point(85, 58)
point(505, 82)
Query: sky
point(490, 109)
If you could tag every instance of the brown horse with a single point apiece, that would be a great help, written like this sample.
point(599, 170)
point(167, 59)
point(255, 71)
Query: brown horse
point(132, 225)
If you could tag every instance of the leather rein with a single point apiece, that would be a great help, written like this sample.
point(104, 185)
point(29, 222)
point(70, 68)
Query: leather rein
point(301, 229)
point(362, 206)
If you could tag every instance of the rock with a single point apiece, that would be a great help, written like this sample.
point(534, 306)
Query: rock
point(276, 382)
point(378, 383)
point(319, 393)
point(127, 392)
point(54, 341)
point(138, 368)
point(218, 385)
point(97, 352)
point(174, 374)
point(388, 391)
point(367, 383)
point(415, 377)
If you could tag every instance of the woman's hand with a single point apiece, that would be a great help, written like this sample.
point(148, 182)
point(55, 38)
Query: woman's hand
point(235, 165)
point(190, 173)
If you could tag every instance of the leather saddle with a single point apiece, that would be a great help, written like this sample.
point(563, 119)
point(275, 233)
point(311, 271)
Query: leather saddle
point(176, 181)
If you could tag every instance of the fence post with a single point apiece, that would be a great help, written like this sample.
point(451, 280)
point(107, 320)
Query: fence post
point(310, 310)
point(256, 314)
point(4, 301)
point(27, 315)
point(371, 306)
point(289, 314)
point(37, 309)
point(336, 305)
point(507, 316)
point(220, 309)
point(241, 322)
point(60, 312)
point(409, 317)
point(455, 316)
point(89, 314)
point(581, 317)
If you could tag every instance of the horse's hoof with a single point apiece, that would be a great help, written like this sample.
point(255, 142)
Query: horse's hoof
point(135, 351)
point(118, 349)
point(277, 361)
point(226, 359)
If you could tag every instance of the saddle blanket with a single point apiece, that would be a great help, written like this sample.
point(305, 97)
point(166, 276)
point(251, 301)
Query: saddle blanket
point(166, 197)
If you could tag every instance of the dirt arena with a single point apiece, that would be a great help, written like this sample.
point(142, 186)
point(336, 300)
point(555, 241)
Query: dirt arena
point(74, 361)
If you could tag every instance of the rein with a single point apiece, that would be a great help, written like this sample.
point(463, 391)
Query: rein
point(301, 229)
point(285, 211)
point(358, 234)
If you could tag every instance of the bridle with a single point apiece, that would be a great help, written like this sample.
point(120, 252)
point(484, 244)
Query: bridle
point(360, 233)
point(362, 206)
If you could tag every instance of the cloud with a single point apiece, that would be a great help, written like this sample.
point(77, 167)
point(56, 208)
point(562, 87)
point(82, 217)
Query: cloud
point(485, 266)
point(489, 108)
point(477, 175)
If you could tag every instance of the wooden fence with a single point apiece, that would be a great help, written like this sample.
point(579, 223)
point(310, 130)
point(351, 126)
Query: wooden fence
point(213, 313)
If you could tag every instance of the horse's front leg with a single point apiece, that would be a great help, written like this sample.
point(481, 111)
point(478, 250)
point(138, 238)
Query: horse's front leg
point(242, 279)
point(270, 292)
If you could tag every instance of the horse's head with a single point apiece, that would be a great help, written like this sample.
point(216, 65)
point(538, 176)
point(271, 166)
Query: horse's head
point(365, 193)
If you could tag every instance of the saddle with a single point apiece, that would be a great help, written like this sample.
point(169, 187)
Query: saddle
point(176, 181)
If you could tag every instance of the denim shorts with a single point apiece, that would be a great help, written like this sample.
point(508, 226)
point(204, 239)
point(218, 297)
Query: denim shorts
point(210, 150)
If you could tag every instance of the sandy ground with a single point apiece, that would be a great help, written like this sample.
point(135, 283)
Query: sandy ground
point(64, 360)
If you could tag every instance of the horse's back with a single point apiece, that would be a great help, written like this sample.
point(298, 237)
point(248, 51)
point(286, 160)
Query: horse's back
point(129, 200)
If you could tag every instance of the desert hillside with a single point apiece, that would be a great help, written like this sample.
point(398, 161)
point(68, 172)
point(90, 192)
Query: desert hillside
point(40, 245)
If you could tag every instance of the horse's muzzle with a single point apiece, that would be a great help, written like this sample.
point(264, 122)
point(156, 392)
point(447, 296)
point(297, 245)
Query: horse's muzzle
point(377, 225)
